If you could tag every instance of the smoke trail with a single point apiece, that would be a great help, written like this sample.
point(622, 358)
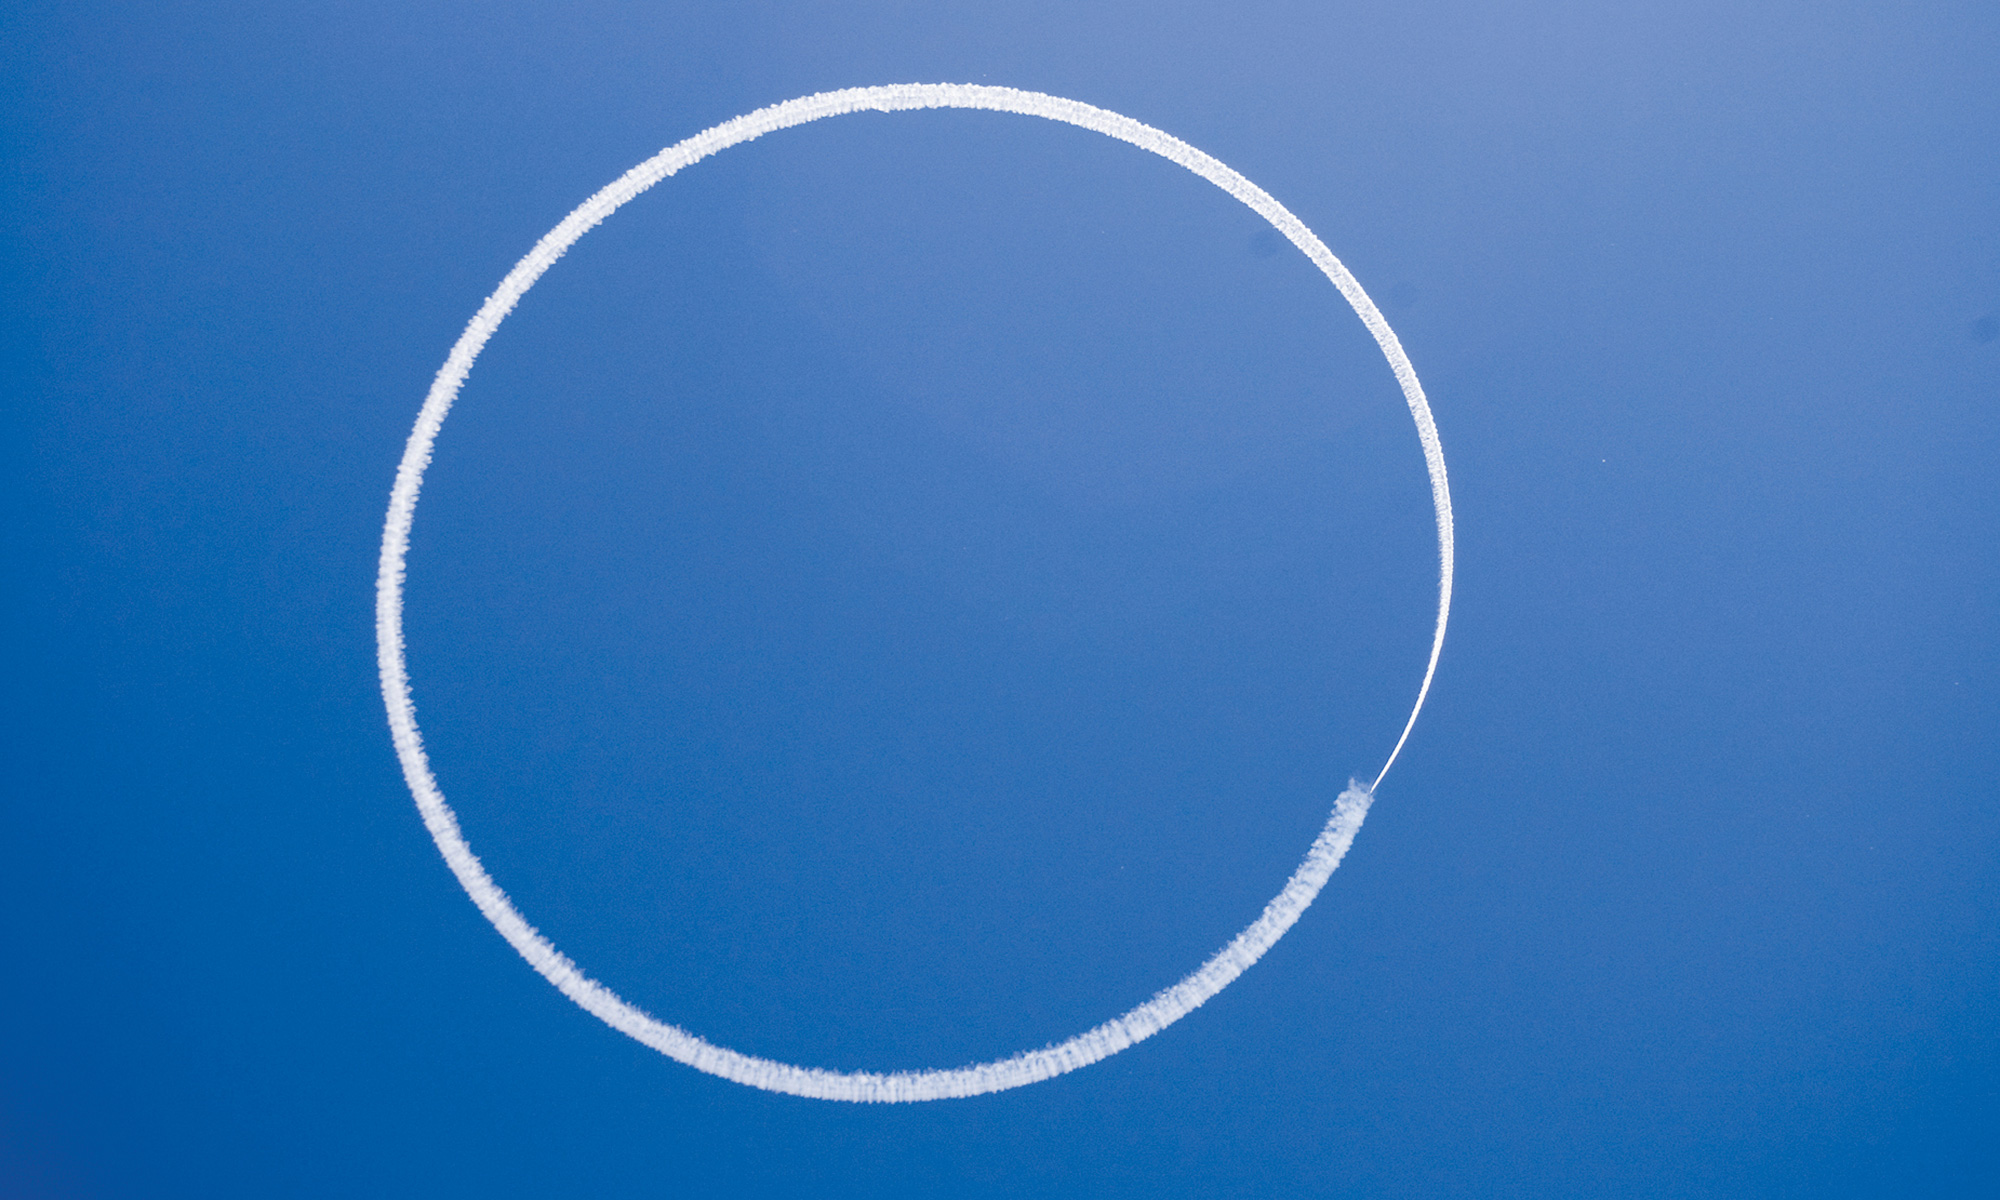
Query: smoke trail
point(1030, 1066)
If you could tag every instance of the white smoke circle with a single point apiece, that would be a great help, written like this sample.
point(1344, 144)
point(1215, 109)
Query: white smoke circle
point(1029, 1066)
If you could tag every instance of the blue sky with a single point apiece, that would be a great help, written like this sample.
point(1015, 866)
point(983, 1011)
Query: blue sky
point(911, 587)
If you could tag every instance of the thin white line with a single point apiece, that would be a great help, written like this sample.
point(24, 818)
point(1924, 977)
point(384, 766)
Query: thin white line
point(1024, 1068)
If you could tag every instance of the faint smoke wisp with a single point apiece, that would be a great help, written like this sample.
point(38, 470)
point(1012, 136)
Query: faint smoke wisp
point(1030, 1066)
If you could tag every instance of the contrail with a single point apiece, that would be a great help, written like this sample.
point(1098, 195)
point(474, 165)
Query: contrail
point(1024, 1068)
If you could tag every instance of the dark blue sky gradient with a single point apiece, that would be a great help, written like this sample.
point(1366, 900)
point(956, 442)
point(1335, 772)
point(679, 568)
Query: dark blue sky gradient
point(912, 586)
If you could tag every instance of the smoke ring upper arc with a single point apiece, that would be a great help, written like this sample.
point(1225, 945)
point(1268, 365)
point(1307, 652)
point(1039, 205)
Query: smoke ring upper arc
point(1031, 1066)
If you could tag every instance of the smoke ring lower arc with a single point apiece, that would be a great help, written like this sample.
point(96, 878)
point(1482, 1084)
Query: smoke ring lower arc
point(1030, 1066)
